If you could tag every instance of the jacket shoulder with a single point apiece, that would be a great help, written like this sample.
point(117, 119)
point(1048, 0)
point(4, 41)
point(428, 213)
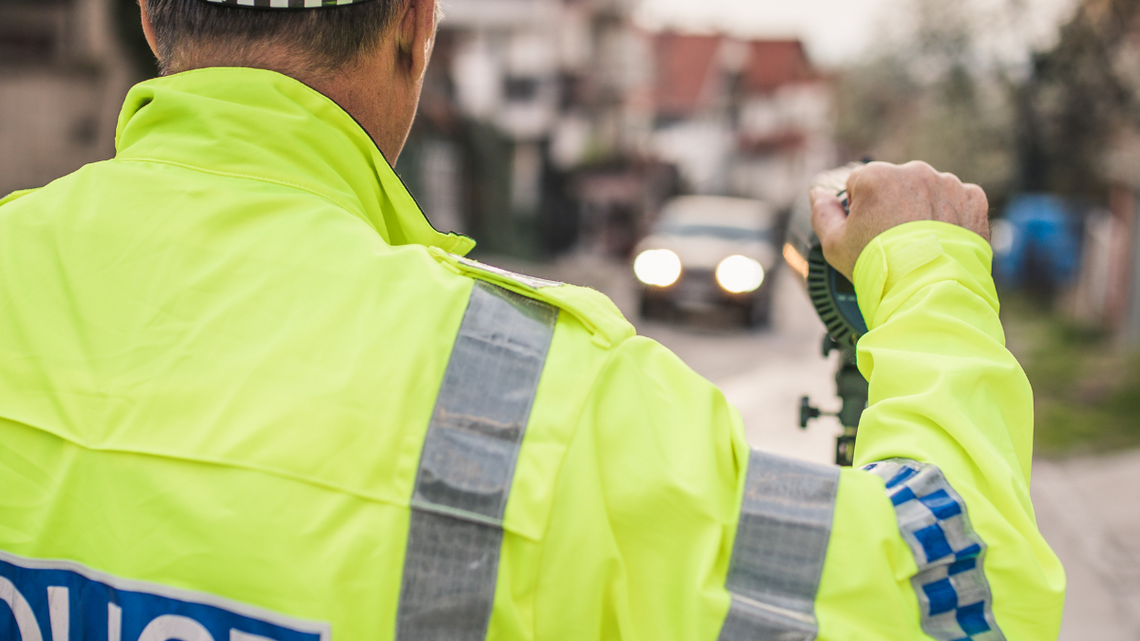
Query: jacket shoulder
point(590, 307)
point(16, 194)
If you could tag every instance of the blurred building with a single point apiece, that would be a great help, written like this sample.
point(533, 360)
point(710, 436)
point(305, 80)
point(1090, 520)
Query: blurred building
point(62, 80)
point(523, 98)
point(548, 124)
point(1109, 289)
point(743, 118)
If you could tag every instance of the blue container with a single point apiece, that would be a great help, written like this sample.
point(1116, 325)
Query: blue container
point(1037, 244)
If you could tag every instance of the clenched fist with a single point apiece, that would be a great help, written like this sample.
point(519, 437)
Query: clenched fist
point(880, 196)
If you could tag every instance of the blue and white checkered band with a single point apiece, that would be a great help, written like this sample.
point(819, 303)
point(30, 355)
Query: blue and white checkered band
point(952, 590)
point(286, 4)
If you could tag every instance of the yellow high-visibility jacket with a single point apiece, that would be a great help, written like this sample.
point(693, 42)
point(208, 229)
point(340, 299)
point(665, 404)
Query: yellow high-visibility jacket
point(247, 393)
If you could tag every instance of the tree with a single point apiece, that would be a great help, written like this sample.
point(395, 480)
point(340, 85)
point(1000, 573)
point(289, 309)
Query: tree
point(933, 96)
point(1081, 95)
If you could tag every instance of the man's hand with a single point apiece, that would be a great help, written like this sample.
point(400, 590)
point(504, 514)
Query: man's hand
point(881, 196)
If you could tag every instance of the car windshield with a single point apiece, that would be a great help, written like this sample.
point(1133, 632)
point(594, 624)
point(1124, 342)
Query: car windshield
point(722, 232)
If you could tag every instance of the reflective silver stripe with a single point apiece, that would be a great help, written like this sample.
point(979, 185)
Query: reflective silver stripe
point(467, 465)
point(953, 594)
point(529, 281)
point(781, 542)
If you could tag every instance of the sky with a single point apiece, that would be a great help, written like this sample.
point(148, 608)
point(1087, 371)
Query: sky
point(839, 32)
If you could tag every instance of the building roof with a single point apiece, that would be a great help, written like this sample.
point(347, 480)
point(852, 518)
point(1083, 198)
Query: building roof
point(774, 63)
point(686, 66)
point(691, 69)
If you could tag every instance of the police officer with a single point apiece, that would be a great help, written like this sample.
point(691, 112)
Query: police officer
point(247, 392)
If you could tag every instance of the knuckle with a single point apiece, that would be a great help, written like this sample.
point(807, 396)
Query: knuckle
point(862, 173)
point(950, 179)
point(920, 168)
point(978, 194)
point(870, 176)
point(919, 175)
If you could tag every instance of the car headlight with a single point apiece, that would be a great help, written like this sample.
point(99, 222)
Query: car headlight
point(659, 267)
point(739, 274)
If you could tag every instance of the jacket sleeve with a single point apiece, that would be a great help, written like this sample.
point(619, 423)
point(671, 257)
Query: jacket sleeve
point(947, 436)
point(666, 525)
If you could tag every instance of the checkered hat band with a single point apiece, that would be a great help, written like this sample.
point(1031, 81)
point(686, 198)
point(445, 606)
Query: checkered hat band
point(286, 4)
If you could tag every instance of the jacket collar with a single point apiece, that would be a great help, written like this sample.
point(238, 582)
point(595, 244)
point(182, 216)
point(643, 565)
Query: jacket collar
point(264, 125)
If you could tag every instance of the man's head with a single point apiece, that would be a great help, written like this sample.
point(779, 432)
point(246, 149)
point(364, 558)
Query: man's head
point(369, 56)
point(190, 34)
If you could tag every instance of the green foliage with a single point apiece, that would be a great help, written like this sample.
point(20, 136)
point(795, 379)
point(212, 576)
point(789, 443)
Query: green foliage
point(1046, 126)
point(1080, 97)
point(1086, 390)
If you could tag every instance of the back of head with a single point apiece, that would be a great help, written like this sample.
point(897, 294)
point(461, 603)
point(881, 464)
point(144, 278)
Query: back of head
point(290, 36)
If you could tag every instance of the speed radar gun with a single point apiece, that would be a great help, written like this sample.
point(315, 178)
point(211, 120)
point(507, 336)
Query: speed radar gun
point(833, 297)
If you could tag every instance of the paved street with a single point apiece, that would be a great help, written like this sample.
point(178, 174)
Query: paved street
point(1087, 508)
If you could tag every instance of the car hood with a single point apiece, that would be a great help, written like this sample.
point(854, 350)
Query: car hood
point(706, 252)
